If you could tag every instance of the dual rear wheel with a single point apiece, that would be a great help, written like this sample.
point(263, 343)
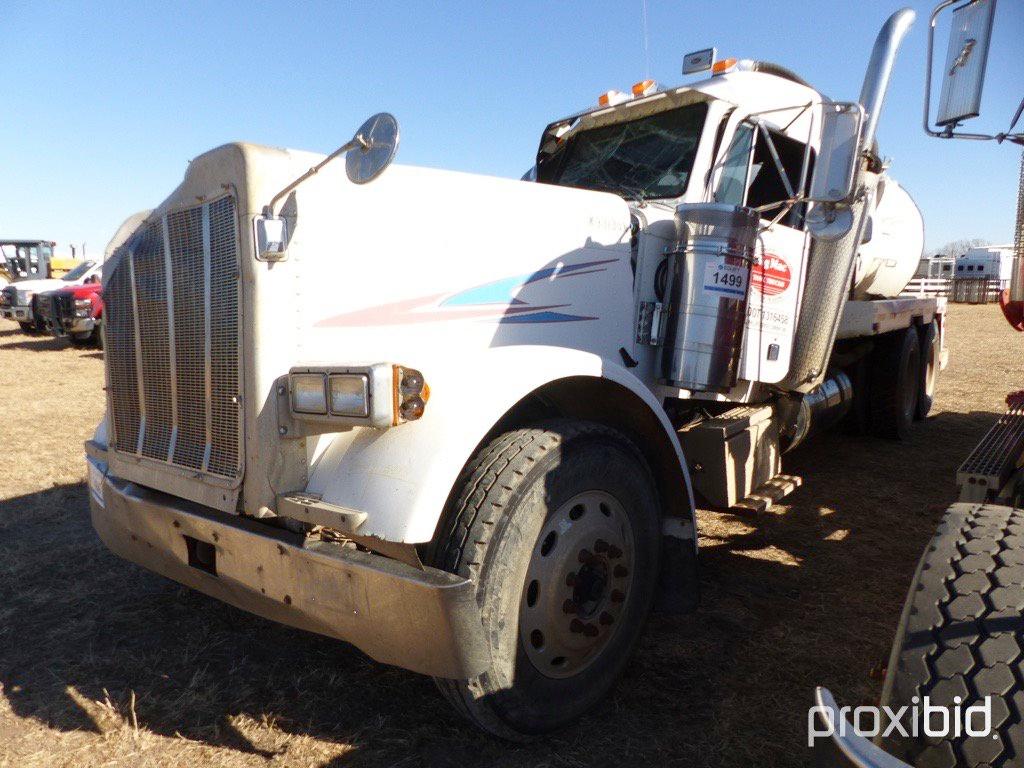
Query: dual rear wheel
point(902, 373)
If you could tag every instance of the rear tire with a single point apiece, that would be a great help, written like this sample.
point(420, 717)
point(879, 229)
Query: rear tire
point(929, 377)
point(961, 635)
point(895, 378)
point(558, 526)
point(29, 328)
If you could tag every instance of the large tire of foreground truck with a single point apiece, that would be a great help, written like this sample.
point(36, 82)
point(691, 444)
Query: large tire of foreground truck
point(558, 527)
point(961, 639)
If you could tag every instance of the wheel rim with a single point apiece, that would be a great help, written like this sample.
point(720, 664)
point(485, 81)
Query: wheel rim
point(577, 585)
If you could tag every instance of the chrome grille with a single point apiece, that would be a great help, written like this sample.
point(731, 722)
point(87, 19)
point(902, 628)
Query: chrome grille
point(172, 331)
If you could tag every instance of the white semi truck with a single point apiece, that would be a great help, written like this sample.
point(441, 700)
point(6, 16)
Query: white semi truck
point(464, 422)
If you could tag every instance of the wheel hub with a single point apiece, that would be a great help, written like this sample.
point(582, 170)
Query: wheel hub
point(577, 584)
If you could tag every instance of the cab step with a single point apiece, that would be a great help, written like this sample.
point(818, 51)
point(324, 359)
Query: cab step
point(769, 493)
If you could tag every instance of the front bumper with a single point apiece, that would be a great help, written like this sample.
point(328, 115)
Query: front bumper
point(20, 314)
point(424, 620)
point(77, 324)
point(841, 746)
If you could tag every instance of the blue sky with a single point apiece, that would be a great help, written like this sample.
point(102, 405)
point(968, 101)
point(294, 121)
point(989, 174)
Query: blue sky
point(105, 103)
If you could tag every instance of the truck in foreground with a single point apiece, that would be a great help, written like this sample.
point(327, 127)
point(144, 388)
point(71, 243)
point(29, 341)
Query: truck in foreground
point(464, 422)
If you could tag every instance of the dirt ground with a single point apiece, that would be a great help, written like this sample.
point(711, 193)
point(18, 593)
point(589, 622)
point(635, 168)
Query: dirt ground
point(102, 663)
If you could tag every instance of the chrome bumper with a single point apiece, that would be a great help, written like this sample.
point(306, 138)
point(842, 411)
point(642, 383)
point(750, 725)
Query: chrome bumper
point(424, 620)
point(843, 748)
point(21, 314)
point(79, 324)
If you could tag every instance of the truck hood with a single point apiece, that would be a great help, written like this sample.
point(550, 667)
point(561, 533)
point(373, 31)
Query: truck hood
point(38, 286)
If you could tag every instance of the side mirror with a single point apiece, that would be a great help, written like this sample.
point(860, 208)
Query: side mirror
point(835, 170)
point(367, 154)
point(372, 148)
point(964, 73)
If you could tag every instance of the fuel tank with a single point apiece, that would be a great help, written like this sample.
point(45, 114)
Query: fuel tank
point(893, 245)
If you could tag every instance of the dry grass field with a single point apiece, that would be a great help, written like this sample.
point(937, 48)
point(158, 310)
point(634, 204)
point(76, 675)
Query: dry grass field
point(102, 663)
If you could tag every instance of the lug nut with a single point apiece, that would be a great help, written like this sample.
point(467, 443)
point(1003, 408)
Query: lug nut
point(585, 556)
point(600, 546)
point(570, 579)
point(621, 571)
point(614, 552)
point(617, 596)
point(607, 619)
point(577, 626)
point(569, 607)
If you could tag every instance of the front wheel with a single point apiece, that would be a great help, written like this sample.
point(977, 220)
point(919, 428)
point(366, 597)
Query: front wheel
point(558, 527)
point(84, 339)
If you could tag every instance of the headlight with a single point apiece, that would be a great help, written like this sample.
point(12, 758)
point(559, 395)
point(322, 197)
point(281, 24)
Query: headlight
point(331, 398)
point(350, 394)
point(24, 297)
point(83, 307)
point(308, 393)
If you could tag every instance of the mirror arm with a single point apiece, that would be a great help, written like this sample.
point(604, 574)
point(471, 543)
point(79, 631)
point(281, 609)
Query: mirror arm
point(358, 141)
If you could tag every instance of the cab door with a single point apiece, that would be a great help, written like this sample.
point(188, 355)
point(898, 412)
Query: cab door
point(764, 168)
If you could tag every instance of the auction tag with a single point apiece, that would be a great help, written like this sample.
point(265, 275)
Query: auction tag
point(726, 279)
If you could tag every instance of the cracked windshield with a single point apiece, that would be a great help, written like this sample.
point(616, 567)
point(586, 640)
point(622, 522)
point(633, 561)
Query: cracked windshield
point(643, 159)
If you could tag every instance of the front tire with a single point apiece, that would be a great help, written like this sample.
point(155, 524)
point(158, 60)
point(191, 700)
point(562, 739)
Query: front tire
point(85, 339)
point(558, 526)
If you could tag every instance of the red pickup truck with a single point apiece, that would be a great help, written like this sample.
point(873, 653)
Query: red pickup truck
point(75, 312)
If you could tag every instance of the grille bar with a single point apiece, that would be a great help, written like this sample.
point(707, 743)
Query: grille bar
point(172, 360)
point(207, 384)
point(172, 304)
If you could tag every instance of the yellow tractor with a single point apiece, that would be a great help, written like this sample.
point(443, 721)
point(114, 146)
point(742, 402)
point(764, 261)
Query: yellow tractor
point(31, 260)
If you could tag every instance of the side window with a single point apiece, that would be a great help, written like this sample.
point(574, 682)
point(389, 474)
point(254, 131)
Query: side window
point(768, 188)
point(759, 183)
point(732, 184)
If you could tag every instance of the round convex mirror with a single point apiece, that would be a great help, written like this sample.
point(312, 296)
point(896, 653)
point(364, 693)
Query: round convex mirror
point(376, 143)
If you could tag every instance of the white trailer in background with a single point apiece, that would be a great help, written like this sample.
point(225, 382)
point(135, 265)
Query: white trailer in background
point(464, 422)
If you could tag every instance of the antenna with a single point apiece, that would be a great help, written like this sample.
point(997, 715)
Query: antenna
point(647, 48)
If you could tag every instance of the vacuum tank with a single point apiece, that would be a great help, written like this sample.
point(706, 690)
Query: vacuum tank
point(889, 257)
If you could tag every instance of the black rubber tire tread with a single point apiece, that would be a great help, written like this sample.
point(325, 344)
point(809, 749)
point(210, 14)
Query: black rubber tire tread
point(90, 340)
point(487, 485)
point(929, 335)
point(962, 634)
point(889, 378)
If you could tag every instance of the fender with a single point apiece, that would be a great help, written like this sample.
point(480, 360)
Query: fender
point(401, 477)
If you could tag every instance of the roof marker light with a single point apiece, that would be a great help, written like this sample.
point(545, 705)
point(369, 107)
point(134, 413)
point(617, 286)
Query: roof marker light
point(723, 66)
point(644, 88)
point(611, 98)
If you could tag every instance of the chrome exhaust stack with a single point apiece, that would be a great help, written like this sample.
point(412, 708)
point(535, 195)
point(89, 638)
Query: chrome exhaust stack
point(879, 72)
point(837, 224)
